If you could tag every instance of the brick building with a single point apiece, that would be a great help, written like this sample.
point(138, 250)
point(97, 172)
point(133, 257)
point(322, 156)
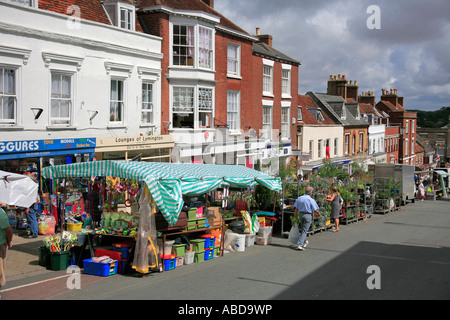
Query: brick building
point(392, 105)
point(212, 85)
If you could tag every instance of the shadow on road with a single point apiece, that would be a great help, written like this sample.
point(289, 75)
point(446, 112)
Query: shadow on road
point(406, 272)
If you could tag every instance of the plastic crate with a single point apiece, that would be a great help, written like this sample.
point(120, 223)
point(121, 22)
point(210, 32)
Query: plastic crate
point(189, 258)
point(198, 244)
point(124, 248)
point(201, 223)
point(100, 269)
point(209, 254)
point(199, 257)
point(191, 224)
point(179, 249)
point(192, 214)
point(209, 240)
point(170, 262)
point(73, 226)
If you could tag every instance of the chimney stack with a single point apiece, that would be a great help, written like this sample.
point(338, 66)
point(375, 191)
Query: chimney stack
point(392, 97)
point(265, 38)
point(367, 97)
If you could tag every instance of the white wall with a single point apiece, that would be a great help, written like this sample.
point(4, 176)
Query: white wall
point(88, 49)
point(322, 132)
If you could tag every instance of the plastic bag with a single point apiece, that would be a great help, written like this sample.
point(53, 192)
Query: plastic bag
point(46, 225)
point(255, 224)
point(294, 234)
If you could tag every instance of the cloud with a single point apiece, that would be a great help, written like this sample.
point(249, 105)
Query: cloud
point(410, 51)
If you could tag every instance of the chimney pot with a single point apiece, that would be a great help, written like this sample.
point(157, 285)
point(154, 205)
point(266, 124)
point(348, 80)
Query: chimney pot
point(258, 31)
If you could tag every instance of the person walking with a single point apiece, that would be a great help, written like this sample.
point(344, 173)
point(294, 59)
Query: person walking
point(305, 206)
point(31, 214)
point(335, 201)
point(6, 235)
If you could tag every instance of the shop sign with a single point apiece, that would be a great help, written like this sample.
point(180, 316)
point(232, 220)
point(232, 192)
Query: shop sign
point(110, 144)
point(36, 147)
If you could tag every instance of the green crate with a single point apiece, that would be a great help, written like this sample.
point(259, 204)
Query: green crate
point(201, 223)
point(198, 245)
point(60, 260)
point(199, 257)
point(192, 214)
point(191, 225)
point(179, 249)
point(216, 251)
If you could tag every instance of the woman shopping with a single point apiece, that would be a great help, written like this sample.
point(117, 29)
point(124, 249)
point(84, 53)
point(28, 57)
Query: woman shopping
point(335, 200)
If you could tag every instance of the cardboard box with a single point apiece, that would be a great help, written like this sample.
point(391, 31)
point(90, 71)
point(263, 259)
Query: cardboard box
point(214, 216)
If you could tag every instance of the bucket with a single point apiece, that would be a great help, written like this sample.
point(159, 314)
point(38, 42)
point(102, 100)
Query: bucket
point(44, 257)
point(239, 244)
point(60, 260)
point(189, 258)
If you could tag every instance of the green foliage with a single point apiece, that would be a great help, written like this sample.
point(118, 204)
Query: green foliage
point(329, 170)
point(432, 119)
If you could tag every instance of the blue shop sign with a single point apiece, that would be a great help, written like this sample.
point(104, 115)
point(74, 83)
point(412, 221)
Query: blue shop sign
point(45, 148)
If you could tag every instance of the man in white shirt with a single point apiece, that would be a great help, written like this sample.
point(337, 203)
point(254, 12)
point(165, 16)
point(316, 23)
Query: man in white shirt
point(305, 206)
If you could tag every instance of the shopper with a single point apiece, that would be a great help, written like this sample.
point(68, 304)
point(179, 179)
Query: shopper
point(305, 206)
point(31, 214)
point(6, 235)
point(335, 201)
point(421, 191)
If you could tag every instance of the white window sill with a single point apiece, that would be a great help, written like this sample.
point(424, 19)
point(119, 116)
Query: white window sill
point(117, 126)
point(234, 76)
point(60, 128)
point(11, 127)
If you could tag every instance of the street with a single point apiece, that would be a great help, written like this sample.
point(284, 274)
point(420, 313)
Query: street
point(401, 255)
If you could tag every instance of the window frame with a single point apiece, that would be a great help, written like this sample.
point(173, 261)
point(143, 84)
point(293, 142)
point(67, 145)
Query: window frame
point(286, 132)
point(234, 60)
point(237, 112)
point(123, 101)
point(15, 96)
point(150, 110)
point(195, 109)
point(71, 100)
point(267, 133)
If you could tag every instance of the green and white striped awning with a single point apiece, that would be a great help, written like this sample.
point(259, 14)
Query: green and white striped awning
point(168, 182)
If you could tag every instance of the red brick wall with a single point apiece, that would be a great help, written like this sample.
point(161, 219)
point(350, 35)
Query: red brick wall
point(224, 83)
point(256, 112)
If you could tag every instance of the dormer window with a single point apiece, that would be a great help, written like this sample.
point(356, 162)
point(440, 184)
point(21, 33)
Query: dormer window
point(344, 113)
point(319, 116)
point(121, 14)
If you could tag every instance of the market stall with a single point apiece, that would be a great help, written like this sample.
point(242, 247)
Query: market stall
point(163, 186)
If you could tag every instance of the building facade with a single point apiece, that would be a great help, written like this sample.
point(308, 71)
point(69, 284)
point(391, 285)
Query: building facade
point(75, 72)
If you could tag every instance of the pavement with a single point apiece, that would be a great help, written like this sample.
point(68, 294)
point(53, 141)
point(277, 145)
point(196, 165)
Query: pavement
point(403, 244)
point(22, 259)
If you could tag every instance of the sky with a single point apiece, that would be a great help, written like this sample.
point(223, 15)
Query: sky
point(407, 46)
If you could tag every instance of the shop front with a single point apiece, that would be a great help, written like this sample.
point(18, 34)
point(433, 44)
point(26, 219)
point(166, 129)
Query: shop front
point(30, 156)
point(141, 148)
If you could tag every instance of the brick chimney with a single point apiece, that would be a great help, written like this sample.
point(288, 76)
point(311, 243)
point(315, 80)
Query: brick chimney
point(209, 3)
point(352, 90)
point(265, 38)
point(367, 97)
point(337, 86)
point(391, 96)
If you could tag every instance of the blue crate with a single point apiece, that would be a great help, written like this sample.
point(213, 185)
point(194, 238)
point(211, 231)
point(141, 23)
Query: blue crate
point(209, 254)
point(99, 269)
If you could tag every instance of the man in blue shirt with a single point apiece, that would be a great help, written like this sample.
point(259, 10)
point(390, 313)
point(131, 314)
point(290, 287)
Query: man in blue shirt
point(305, 206)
